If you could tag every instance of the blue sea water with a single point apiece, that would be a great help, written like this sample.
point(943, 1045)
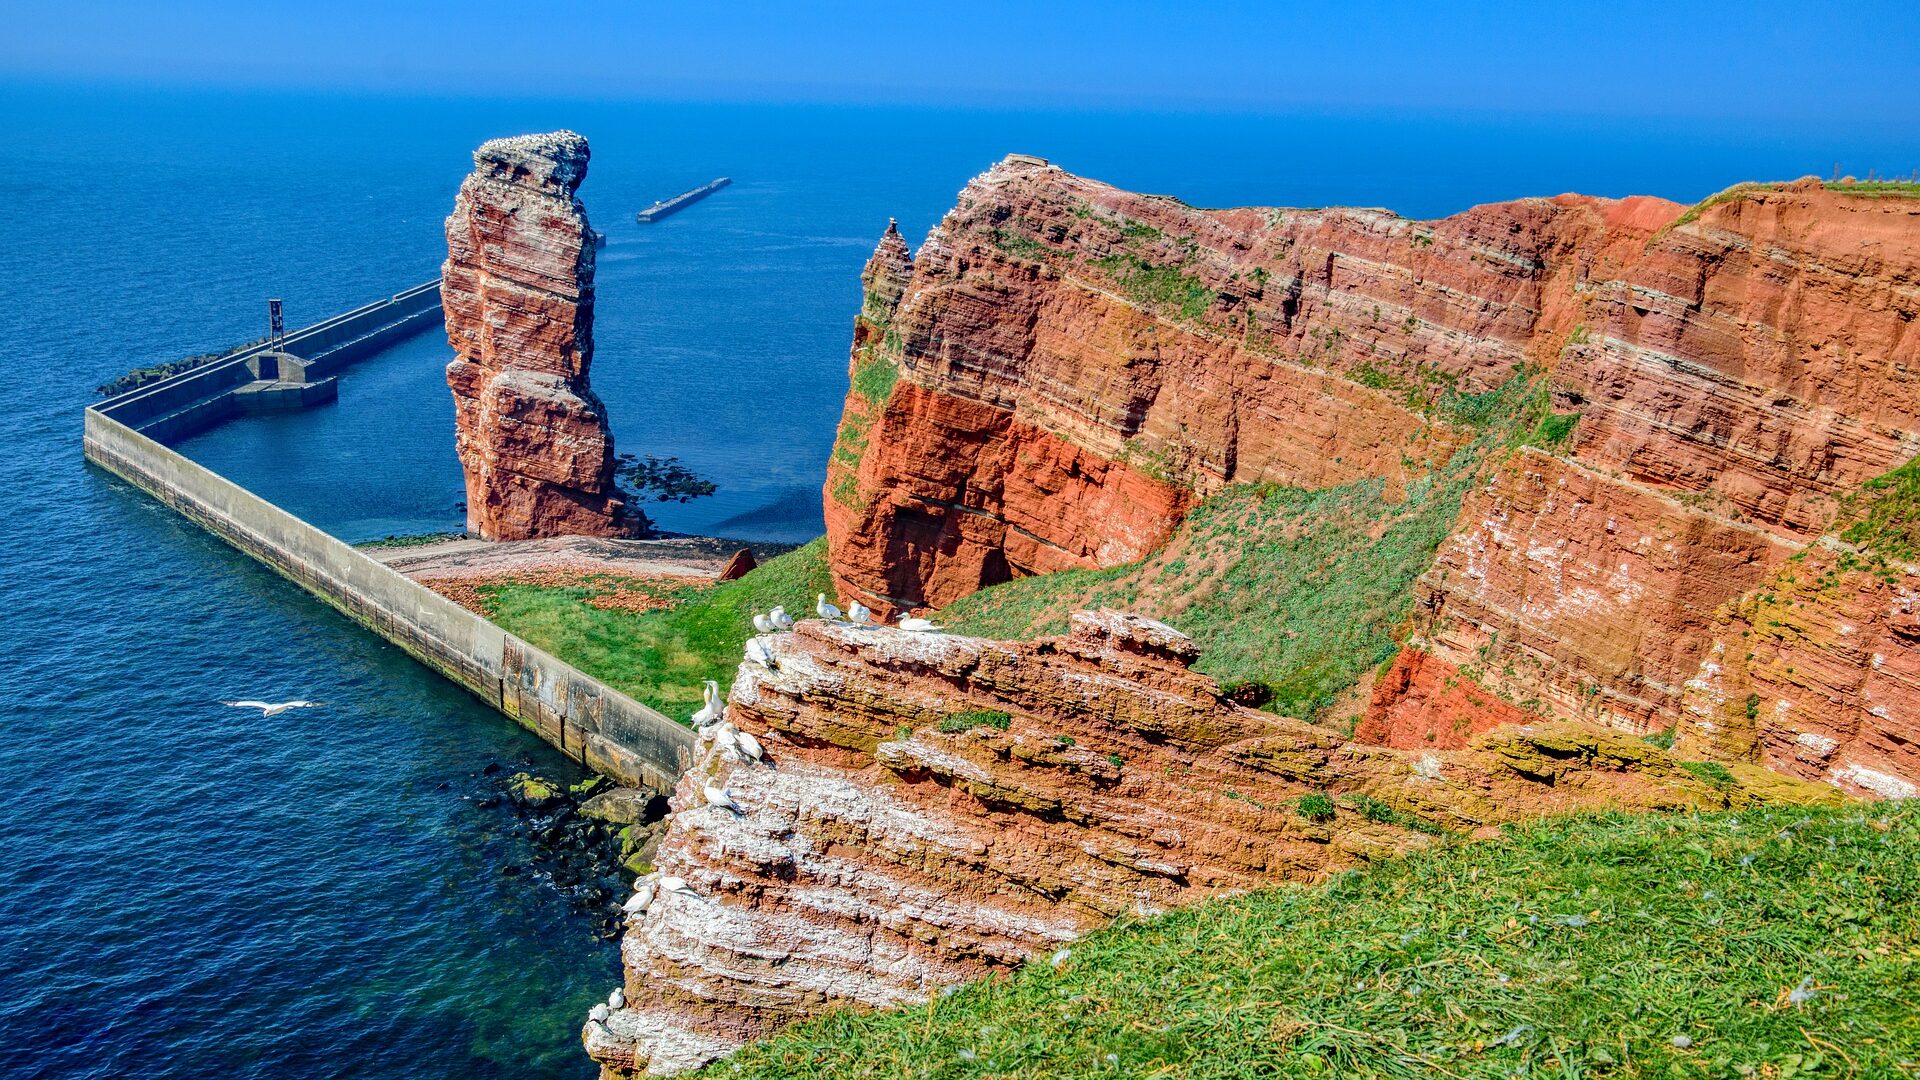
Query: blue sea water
point(187, 890)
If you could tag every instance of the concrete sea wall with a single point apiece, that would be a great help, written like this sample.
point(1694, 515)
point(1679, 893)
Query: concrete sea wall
point(594, 724)
point(180, 405)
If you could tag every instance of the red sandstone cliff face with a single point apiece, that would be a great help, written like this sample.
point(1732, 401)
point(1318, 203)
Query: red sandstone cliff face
point(1068, 367)
point(518, 291)
point(935, 808)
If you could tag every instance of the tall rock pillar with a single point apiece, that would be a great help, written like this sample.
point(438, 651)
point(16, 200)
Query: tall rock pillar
point(518, 292)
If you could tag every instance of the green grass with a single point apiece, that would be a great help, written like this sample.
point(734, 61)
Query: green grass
point(1163, 289)
point(1299, 591)
point(1623, 946)
point(661, 657)
point(1887, 514)
point(973, 718)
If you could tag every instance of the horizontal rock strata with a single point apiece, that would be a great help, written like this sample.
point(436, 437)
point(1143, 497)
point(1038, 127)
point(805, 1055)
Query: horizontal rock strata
point(1064, 368)
point(518, 291)
point(936, 808)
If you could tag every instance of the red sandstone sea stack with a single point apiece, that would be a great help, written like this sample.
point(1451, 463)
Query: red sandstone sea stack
point(518, 292)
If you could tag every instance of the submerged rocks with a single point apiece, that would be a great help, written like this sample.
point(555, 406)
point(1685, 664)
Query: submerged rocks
point(518, 292)
point(565, 837)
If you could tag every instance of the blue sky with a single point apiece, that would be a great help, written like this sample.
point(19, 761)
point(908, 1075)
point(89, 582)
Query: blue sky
point(1855, 64)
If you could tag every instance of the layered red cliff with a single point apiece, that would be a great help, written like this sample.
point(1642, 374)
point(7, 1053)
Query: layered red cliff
point(518, 292)
point(934, 808)
point(1064, 368)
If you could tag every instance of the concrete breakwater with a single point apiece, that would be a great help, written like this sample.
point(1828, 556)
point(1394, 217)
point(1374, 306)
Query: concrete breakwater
point(205, 396)
point(681, 201)
point(603, 729)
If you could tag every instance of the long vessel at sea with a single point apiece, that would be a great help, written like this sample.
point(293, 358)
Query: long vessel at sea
point(681, 201)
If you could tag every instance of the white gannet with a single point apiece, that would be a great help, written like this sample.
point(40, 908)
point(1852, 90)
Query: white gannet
point(617, 999)
point(762, 624)
point(919, 626)
point(600, 1013)
point(759, 653)
point(780, 619)
point(859, 614)
point(679, 887)
point(727, 737)
point(706, 715)
point(825, 610)
point(269, 708)
point(714, 707)
point(641, 900)
point(722, 798)
point(747, 745)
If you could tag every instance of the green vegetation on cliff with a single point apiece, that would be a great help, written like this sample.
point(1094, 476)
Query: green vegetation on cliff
point(1291, 594)
point(661, 657)
point(1780, 943)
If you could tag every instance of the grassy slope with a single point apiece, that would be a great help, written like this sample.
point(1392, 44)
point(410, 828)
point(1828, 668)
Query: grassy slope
point(1298, 591)
point(660, 657)
point(1576, 947)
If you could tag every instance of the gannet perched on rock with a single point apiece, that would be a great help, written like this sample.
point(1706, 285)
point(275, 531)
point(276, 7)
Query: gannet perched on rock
point(617, 999)
point(714, 707)
point(642, 897)
point(780, 619)
point(600, 1013)
point(759, 653)
point(722, 798)
point(825, 610)
point(748, 746)
point(762, 624)
point(919, 626)
point(679, 887)
point(859, 614)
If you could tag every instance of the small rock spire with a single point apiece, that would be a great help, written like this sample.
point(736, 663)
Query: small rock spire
point(886, 276)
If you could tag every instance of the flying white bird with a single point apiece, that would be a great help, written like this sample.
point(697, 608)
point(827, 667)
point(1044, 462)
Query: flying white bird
point(748, 746)
point(825, 610)
point(268, 708)
point(759, 653)
point(780, 619)
point(762, 624)
point(617, 999)
point(919, 626)
point(722, 798)
point(599, 1014)
point(859, 614)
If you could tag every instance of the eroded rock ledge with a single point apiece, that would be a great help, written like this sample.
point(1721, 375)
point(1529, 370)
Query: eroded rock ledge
point(934, 808)
point(518, 291)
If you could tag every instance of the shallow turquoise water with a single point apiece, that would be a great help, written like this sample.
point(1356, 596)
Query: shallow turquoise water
point(187, 890)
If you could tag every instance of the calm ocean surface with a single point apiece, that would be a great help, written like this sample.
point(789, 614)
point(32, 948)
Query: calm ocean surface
point(190, 891)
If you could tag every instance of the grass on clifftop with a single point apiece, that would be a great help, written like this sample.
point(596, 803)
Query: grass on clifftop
point(1290, 594)
point(661, 657)
point(1628, 946)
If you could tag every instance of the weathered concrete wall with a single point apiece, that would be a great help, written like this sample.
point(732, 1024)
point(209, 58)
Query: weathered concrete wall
point(589, 721)
point(195, 400)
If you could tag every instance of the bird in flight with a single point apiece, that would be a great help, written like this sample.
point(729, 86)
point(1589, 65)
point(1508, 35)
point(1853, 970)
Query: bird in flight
point(271, 708)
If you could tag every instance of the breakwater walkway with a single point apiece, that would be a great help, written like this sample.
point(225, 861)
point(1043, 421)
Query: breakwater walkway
point(199, 398)
point(603, 729)
point(681, 201)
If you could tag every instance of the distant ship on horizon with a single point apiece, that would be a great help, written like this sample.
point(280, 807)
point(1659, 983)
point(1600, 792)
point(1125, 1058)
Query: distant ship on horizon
point(681, 201)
